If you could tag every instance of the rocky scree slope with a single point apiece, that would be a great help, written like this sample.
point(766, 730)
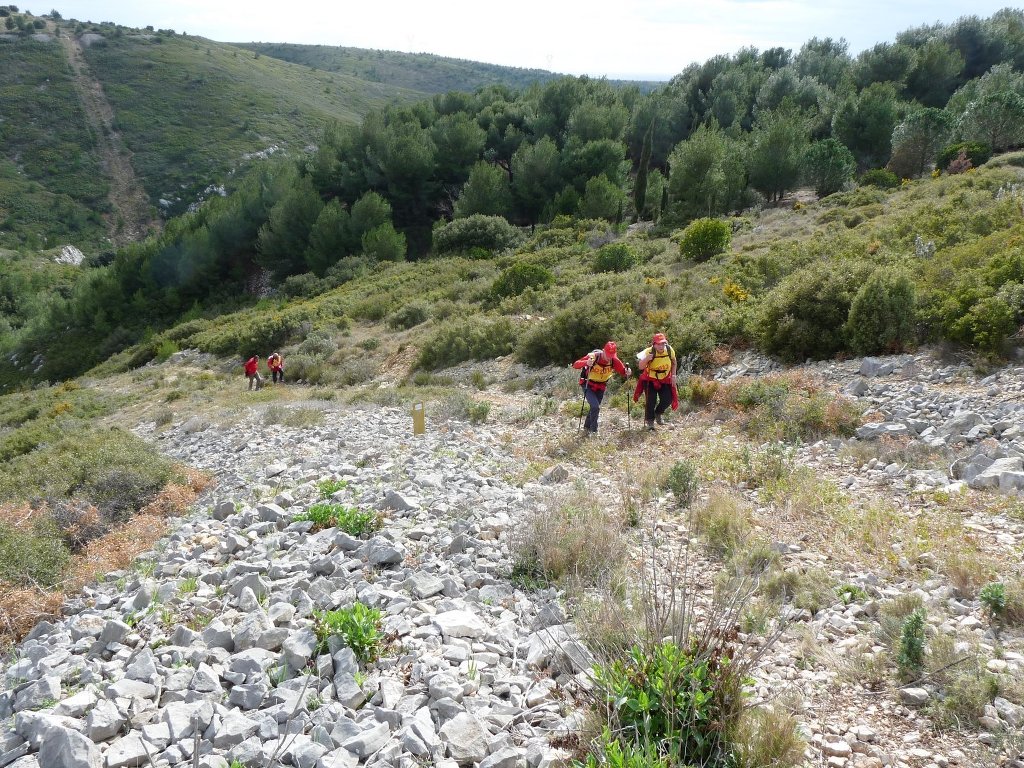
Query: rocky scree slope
point(207, 649)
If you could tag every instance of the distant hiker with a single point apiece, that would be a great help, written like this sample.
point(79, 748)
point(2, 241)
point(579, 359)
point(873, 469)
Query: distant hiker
point(658, 380)
point(252, 372)
point(276, 366)
point(595, 370)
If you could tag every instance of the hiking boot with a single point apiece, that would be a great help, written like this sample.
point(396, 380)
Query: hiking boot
point(659, 420)
point(650, 425)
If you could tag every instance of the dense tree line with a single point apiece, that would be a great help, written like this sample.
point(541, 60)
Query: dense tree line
point(722, 135)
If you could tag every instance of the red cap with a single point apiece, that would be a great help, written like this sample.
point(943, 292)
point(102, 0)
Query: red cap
point(659, 338)
point(610, 349)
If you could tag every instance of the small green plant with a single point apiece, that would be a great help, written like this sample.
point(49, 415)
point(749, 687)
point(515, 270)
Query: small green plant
point(353, 521)
point(851, 593)
point(993, 599)
point(313, 703)
point(478, 380)
point(477, 412)
point(358, 626)
point(673, 698)
point(237, 764)
point(682, 481)
point(911, 656)
point(189, 585)
point(277, 675)
point(330, 487)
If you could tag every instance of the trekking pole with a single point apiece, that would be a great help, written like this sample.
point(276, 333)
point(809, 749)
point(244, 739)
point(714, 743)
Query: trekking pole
point(629, 410)
point(583, 403)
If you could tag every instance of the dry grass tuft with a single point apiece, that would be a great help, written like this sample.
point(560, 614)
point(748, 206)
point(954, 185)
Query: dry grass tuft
point(21, 608)
point(723, 521)
point(575, 543)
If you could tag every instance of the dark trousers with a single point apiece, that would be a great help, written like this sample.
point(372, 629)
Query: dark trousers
point(278, 374)
point(656, 401)
point(593, 398)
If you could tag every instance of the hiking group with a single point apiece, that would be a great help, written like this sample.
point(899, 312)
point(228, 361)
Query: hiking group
point(657, 380)
point(252, 370)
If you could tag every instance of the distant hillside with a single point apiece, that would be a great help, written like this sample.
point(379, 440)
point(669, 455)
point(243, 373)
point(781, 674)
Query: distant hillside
point(417, 71)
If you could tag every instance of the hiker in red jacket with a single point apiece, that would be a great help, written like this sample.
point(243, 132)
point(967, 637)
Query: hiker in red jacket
point(252, 372)
point(658, 380)
point(595, 370)
point(276, 365)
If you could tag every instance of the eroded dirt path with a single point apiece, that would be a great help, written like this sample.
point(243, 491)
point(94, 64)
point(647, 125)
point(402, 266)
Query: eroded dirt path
point(131, 218)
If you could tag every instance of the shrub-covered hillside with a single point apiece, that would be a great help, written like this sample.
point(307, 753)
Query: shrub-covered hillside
point(932, 260)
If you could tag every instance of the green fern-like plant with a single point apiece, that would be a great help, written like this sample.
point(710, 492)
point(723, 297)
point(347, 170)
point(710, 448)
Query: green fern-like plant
point(911, 656)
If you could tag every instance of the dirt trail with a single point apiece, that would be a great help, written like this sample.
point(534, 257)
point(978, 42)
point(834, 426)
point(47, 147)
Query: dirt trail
point(131, 218)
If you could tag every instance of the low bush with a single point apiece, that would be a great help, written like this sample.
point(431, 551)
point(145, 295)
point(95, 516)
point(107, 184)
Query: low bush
point(311, 370)
point(879, 177)
point(490, 233)
point(329, 487)
point(456, 342)
point(704, 238)
point(723, 522)
point(675, 698)
point(571, 332)
point(767, 737)
point(912, 640)
point(615, 257)
point(810, 589)
point(580, 543)
point(520, 276)
point(683, 482)
point(806, 315)
point(33, 556)
point(409, 316)
point(976, 152)
point(461, 406)
point(881, 318)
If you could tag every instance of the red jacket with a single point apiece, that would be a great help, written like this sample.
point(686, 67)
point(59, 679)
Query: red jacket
point(252, 365)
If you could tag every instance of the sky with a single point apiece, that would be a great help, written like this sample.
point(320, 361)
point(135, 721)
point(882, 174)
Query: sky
point(628, 39)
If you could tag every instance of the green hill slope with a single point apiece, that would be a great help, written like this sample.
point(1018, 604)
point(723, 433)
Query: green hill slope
point(192, 110)
point(52, 185)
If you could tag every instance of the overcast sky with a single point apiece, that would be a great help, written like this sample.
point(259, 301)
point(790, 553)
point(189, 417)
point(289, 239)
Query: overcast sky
point(640, 39)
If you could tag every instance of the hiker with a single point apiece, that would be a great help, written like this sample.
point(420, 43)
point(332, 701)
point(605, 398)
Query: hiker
point(658, 380)
point(252, 372)
point(595, 370)
point(276, 366)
